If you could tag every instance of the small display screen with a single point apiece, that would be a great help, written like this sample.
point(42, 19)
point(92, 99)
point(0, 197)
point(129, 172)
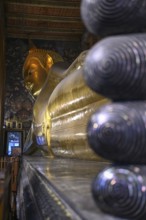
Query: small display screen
point(14, 142)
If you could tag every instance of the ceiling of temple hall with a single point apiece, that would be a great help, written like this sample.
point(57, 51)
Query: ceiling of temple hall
point(44, 19)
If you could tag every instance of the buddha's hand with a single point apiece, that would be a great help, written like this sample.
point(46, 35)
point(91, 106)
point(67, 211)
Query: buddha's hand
point(41, 140)
point(39, 135)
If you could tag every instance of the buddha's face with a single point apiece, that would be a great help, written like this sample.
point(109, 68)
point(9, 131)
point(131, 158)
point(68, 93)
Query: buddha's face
point(34, 76)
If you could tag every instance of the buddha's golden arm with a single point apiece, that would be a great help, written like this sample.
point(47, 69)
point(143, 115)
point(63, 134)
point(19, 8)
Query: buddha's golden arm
point(70, 107)
point(54, 77)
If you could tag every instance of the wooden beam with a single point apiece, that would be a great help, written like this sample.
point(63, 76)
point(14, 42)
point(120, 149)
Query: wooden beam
point(48, 2)
point(66, 36)
point(44, 10)
point(43, 23)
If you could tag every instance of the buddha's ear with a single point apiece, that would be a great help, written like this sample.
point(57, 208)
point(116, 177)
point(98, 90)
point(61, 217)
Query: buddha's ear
point(49, 62)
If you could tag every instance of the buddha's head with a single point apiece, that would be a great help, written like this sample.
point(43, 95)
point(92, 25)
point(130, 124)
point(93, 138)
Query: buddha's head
point(36, 68)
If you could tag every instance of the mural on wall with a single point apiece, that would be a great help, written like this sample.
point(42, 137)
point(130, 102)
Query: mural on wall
point(18, 102)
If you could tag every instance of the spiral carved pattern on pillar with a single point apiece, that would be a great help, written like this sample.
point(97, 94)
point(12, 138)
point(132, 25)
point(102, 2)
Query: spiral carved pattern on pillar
point(121, 191)
point(117, 132)
point(106, 17)
point(115, 67)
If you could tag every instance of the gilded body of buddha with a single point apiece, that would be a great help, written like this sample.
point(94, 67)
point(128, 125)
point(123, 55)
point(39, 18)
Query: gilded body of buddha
point(63, 104)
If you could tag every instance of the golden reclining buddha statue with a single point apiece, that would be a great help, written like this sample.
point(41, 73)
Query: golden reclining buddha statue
point(63, 104)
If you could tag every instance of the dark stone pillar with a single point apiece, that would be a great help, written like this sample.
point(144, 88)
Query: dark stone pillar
point(2, 74)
